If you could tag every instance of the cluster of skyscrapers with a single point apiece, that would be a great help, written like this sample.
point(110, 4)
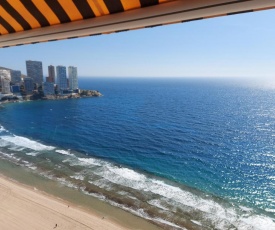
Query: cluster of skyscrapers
point(57, 81)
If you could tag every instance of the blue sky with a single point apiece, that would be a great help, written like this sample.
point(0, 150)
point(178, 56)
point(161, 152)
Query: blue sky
point(232, 46)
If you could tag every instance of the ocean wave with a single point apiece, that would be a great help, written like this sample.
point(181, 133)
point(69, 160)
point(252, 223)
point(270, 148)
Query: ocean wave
point(90, 161)
point(32, 154)
point(16, 148)
point(222, 216)
point(64, 152)
point(26, 143)
point(78, 177)
point(2, 129)
point(10, 156)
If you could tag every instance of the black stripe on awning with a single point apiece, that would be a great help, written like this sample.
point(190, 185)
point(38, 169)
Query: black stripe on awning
point(145, 3)
point(84, 8)
point(114, 6)
point(241, 12)
point(35, 12)
point(15, 15)
point(6, 25)
point(58, 10)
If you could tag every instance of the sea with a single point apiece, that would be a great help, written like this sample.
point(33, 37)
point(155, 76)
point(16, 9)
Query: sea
point(184, 153)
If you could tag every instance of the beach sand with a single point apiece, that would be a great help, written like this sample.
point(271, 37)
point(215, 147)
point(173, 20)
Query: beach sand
point(23, 208)
point(29, 201)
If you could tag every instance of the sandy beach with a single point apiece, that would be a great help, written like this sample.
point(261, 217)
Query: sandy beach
point(24, 208)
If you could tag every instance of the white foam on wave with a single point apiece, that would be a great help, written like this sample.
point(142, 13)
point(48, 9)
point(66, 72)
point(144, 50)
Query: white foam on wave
point(90, 161)
point(2, 129)
point(127, 174)
point(257, 221)
point(16, 148)
point(32, 154)
point(26, 143)
point(220, 215)
point(168, 223)
point(30, 166)
point(143, 214)
point(10, 156)
point(96, 195)
point(196, 222)
point(157, 203)
point(66, 183)
point(122, 176)
point(3, 143)
point(64, 152)
point(78, 177)
point(101, 184)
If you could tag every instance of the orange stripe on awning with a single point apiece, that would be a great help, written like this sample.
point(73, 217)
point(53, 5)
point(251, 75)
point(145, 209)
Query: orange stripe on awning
point(132, 4)
point(70, 9)
point(13, 23)
point(161, 1)
point(99, 8)
point(20, 8)
point(46, 11)
point(3, 30)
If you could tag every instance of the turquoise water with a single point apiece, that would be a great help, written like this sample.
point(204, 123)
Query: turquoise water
point(181, 152)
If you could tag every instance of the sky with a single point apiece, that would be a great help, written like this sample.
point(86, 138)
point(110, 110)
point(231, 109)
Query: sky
point(232, 46)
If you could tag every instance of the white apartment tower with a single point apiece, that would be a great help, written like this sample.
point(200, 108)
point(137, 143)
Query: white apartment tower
point(73, 78)
point(5, 77)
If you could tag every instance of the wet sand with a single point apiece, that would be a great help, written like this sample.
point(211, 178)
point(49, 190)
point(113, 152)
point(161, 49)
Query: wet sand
point(28, 201)
point(23, 208)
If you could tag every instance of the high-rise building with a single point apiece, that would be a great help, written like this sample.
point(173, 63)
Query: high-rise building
point(29, 85)
point(5, 77)
point(15, 89)
point(48, 88)
point(51, 77)
point(61, 77)
point(73, 78)
point(16, 77)
point(35, 71)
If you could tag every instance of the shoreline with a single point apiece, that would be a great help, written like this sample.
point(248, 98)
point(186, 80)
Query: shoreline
point(29, 201)
point(80, 94)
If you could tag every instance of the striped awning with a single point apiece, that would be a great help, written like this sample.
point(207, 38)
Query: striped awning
point(32, 21)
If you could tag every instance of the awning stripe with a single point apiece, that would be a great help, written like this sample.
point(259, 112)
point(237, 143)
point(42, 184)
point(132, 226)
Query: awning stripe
point(3, 30)
point(18, 15)
point(71, 10)
point(30, 6)
point(58, 10)
point(23, 23)
point(114, 6)
point(101, 7)
point(145, 3)
point(84, 8)
point(6, 26)
point(19, 7)
point(129, 5)
point(13, 23)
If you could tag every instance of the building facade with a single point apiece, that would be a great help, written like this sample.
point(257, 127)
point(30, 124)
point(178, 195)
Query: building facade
point(15, 89)
point(5, 77)
point(29, 85)
point(73, 78)
point(35, 71)
point(16, 77)
point(48, 88)
point(61, 77)
point(51, 72)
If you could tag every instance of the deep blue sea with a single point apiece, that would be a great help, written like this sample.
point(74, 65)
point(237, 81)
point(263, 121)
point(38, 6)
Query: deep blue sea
point(180, 152)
